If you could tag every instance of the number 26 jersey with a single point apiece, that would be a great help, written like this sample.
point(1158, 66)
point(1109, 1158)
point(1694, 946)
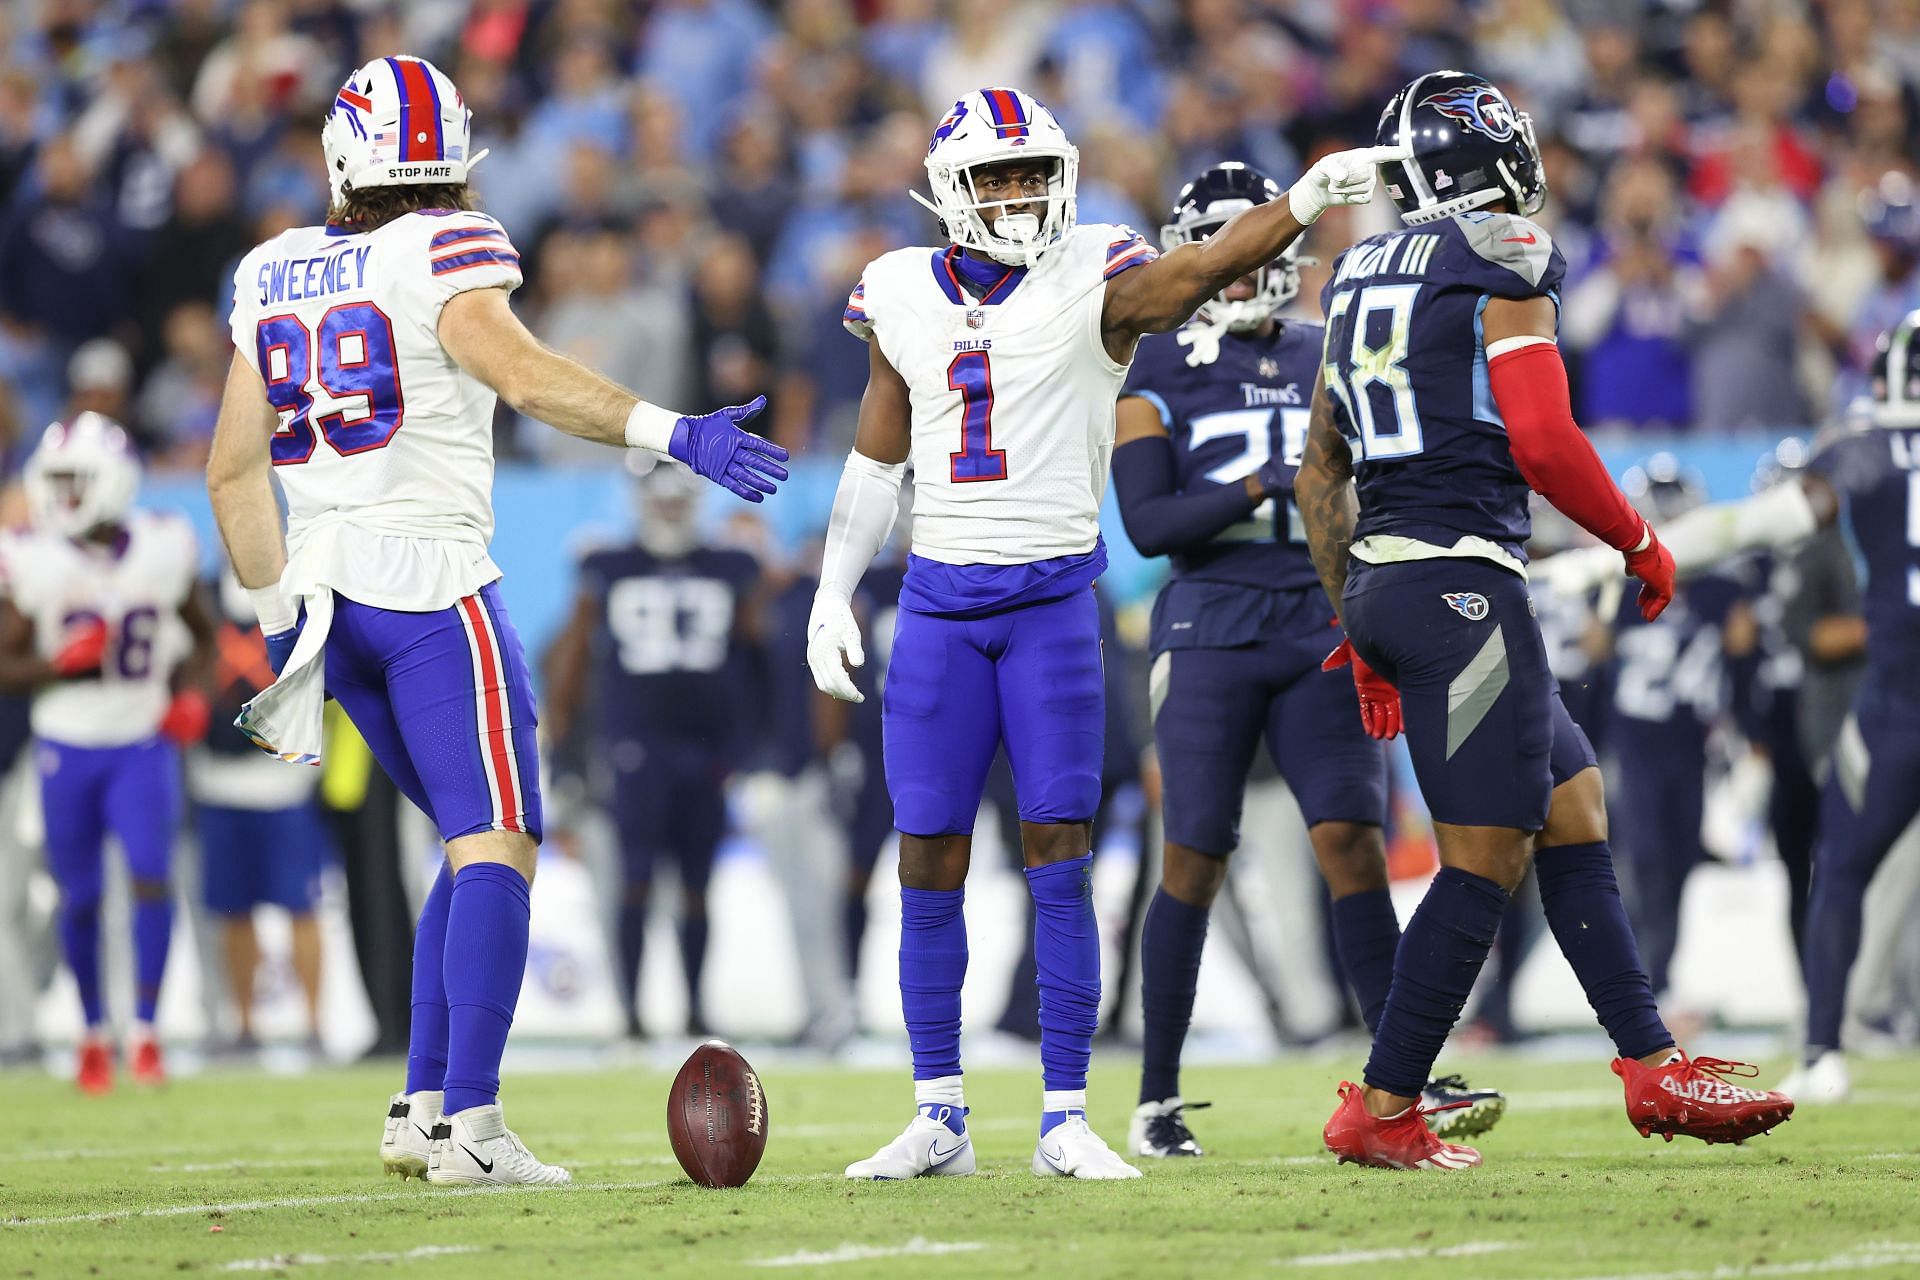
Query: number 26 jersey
point(383, 441)
point(1406, 368)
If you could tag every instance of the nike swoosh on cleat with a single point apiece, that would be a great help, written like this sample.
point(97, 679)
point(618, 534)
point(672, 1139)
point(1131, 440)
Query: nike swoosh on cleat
point(423, 1133)
point(940, 1157)
point(1044, 1155)
point(486, 1166)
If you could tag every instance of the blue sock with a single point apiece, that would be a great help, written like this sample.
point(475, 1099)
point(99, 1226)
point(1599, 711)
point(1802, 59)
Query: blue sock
point(1366, 934)
point(152, 931)
point(486, 958)
point(80, 939)
point(1582, 902)
point(1170, 944)
point(955, 1118)
point(1440, 955)
point(1066, 953)
point(427, 1035)
point(933, 964)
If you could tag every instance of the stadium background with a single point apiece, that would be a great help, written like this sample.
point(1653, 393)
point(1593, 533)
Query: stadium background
point(694, 185)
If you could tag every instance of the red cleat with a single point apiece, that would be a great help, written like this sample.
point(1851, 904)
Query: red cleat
point(1404, 1142)
point(96, 1067)
point(1696, 1097)
point(147, 1066)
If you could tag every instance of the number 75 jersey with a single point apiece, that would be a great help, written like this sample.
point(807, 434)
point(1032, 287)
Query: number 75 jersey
point(1012, 393)
point(1406, 368)
point(376, 420)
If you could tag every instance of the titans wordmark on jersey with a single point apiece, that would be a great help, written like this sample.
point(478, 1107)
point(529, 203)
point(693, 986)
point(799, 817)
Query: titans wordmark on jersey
point(1230, 403)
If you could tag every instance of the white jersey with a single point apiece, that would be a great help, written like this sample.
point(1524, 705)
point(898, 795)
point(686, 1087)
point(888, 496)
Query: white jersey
point(385, 445)
point(136, 587)
point(1012, 396)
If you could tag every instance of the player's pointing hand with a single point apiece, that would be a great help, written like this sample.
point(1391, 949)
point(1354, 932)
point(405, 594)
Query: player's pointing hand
point(1345, 177)
point(833, 645)
point(717, 447)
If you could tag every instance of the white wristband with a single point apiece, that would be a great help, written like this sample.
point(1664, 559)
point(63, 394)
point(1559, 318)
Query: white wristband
point(650, 427)
point(1305, 202)
point(275, 612)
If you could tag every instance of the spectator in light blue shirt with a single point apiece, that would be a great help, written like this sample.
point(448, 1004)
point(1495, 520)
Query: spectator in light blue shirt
point(703, 54)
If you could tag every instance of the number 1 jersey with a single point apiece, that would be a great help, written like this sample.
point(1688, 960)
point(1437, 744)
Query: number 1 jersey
point(384, 447)
point(1406, 366)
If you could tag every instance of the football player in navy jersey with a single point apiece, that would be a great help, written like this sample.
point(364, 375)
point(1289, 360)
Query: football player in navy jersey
point(1443, 395)
point(660, 631)
point(1870, 470)
point(1211, 422)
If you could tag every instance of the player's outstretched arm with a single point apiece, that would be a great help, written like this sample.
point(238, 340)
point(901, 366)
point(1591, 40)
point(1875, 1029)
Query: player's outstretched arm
point(864, 509)
point(1323, 491)
point(239, 468)
point(1164, 294)
point(22, 669)
point(484, 337)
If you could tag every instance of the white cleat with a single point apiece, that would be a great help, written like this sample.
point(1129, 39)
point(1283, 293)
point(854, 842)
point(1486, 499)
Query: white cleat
point(1824, 1080)
point(409, 1132)
point(1073, 1150)
point(475, 1147)
point(1159, 1130)
point(927, 1149)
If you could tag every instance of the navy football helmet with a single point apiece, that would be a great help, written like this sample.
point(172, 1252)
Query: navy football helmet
point(1893, 381)
point(1470, 148)
point(1202, 208)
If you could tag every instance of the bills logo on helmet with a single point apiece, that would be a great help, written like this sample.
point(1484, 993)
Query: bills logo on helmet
point(1470, 605)
point(948, 125)
point(1482, 110)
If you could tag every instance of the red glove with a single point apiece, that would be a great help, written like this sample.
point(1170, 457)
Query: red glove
point(85, 650)
point(1653, 565)
point(1379, 700)
point(188, 718)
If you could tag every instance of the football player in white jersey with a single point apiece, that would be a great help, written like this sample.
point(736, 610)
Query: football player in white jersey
point(371, 353)
point(96, 596)
point(994, 363)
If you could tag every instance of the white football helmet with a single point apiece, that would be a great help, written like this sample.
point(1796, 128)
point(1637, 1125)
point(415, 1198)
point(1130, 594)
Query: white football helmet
point(397, 122)
point(83, 474)
point(994, 126)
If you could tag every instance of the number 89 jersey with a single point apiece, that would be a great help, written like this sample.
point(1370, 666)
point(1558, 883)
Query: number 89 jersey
point(136, 586)
point(376, 421)
point(1012, 393)
point(1406, 367)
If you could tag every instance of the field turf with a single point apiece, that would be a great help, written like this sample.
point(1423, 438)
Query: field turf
point(254, 1173)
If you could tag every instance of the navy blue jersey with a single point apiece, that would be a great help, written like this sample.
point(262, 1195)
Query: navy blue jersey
point(1878, 472)
point(1406, 367)
point(1230, 403)
point(670, 662)
point(1670, 675)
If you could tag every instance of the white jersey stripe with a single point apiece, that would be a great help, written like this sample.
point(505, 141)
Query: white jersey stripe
point(480, 709)
point(503, 744)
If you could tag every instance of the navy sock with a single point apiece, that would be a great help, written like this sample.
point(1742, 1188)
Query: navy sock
point(1171, 940)
point(933, 964)
point(1066, 953)
point(152, 931)
point(427, 1037)
point(1366, 934)
point(693, 960)
point(486, 958)
point(633, 949)
point(1582, 901)
point(80, 939)
point(853, 924)
point(1440, 955)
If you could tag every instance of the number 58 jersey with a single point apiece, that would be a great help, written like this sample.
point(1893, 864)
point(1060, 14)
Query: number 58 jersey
point(1012, 393)
point(1406, 367)
point(381, 435)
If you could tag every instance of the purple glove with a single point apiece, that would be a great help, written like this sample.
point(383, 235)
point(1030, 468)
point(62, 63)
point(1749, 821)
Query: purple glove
point(714, 445)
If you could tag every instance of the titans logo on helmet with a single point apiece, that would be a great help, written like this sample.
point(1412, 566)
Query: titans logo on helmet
point(1482, 110)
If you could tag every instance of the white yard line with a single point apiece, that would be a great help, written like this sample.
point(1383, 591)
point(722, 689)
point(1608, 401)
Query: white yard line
point(914, 1248)
point(1866, 1257)
point(1356, 1257)
point(301, 1202)
point(280, 1261)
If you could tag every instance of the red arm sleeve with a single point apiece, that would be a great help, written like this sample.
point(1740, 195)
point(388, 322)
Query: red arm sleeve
point(1530, 386)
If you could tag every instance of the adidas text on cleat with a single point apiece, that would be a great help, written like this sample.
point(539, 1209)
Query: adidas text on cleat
point(1159, 1130)
point(1696, 1097)
point(930, 1147)
point(1822, 1080)
point(1454, 1109)
point(409, 1132)
point(475, 1147)
point(1404, 1141)
point(1073, 1150)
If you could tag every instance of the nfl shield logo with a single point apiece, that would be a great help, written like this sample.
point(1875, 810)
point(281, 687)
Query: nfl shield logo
point(1269, 367)
point(976, 318)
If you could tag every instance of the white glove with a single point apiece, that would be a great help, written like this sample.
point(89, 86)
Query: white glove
point(1345, 177)
point(1570, 575)
point(833, 635)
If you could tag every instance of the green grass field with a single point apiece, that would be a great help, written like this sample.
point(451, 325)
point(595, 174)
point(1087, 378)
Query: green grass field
point(270, 1174)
